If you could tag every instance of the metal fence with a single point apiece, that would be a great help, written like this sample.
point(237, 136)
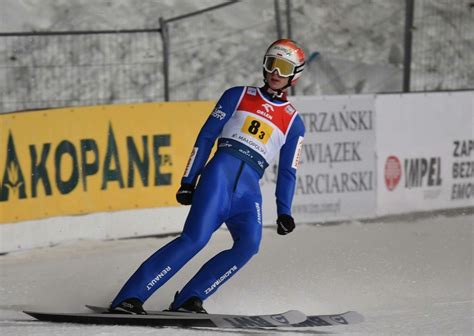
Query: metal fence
point(351, 46)
point(69, 70)
point(443, 45)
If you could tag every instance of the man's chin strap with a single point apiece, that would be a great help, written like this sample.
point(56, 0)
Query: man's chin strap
point(278, 94)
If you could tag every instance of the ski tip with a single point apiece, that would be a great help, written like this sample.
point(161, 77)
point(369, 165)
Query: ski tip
point(354, 316)
point(296, 316)
point(96, 309)
point(30, 313)
point(295, 311)
point(349, 317)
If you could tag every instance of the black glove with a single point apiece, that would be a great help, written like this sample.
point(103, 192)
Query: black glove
point(185, 194)
point(286, 224)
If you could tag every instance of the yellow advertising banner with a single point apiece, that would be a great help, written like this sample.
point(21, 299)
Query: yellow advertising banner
point(91, 159)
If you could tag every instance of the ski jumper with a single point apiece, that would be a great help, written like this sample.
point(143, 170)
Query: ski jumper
point(251, 128)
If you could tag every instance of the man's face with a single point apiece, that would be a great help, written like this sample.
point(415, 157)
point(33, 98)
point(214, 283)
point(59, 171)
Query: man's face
point(275, 81)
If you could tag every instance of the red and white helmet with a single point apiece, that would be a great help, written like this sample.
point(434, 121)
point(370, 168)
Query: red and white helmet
point(286, 57)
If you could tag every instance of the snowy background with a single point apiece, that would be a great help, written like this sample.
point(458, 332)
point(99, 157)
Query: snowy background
point(351, 47)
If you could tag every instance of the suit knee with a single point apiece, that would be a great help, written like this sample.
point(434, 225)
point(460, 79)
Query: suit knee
point(255, 242)
point(196, 242)
point(254, 246)
point(248, 247)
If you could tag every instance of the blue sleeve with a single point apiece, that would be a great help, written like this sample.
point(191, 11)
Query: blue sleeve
point(211, 129)
point(286, 179)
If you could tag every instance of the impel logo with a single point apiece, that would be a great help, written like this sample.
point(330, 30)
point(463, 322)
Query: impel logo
point(423, 172)
point(393, 172)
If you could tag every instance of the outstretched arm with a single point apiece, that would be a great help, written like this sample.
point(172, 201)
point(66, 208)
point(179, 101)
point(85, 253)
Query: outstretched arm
point(288, 164)
point(211, 129)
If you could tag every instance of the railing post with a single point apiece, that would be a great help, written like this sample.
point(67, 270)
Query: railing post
point(409, 14)
point(289, 32)
point(166, 51)
point(278, 19)
point(288, 19)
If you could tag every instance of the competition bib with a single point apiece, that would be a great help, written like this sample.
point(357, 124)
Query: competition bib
point(260, 124)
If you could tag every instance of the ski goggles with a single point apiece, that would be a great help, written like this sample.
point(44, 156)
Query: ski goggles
point(284, 67)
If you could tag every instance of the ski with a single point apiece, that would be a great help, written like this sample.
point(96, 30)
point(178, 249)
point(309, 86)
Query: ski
point(285, 319)
point(349, 317)
point(102, 310)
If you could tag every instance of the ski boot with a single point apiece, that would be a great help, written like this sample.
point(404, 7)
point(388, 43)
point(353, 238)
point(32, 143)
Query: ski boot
point(192, 305)
point(129, 306)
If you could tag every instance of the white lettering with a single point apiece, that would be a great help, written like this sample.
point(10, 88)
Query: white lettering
point(265, 114)
point(190, 161)
point(297, 157)
point(252, 144)
point(259, 216)
point(227, 274)
point(218, 113)
point(158, 277)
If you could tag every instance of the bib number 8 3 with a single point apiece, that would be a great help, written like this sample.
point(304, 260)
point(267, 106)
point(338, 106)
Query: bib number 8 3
point(257, 129)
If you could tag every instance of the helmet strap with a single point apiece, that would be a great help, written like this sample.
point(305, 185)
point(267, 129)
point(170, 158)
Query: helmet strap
point(278, 94)
point(290, 79)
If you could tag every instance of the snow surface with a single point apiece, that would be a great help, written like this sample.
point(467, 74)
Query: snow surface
point(407, 276)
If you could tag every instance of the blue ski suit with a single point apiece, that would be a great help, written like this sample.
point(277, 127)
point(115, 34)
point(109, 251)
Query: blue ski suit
point(252, 128)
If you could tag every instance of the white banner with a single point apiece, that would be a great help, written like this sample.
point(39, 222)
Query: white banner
point(425, 147)
point(336, 178)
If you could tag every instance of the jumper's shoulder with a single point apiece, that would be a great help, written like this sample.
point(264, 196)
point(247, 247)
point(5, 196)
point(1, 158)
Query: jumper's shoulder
point(235, 90)
point(298, 124)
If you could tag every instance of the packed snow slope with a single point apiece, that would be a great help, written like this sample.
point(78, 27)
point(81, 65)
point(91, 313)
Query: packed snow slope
point(407, 276)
